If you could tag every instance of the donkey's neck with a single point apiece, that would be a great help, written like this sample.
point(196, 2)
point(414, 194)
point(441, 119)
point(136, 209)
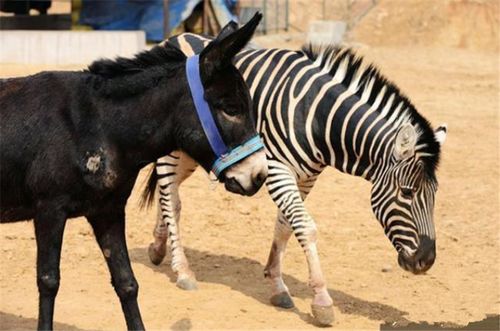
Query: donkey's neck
point(141, 125)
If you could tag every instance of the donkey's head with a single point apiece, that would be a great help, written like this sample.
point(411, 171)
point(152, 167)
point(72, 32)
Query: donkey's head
point(403, 196)
point(222, 138)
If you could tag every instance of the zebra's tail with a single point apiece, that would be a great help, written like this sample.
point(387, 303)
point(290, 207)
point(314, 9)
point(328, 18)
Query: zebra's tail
point(148, 195)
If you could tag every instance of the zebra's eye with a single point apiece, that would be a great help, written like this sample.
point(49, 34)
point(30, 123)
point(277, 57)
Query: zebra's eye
point(407, 192)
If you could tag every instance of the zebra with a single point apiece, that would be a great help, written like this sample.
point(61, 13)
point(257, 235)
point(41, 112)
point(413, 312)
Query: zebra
point(319, 107)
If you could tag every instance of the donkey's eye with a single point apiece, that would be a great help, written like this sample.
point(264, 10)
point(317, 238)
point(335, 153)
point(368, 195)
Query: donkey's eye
point(230, 111)
point(407, 192)
point(231, 116)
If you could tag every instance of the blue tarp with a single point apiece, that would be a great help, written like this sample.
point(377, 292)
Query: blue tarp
point(146, 15)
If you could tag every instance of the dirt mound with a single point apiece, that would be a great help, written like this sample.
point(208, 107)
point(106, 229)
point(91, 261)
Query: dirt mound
point(471, 24)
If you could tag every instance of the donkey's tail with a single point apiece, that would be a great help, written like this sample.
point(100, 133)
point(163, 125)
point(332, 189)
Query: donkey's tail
point(148, 195)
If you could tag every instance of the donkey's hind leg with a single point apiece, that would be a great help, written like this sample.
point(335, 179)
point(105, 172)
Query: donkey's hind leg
point(49, 230)
point(172, 170)
point(109, 229)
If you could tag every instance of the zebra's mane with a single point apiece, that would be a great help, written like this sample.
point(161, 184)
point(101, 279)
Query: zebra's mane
point(344, 63)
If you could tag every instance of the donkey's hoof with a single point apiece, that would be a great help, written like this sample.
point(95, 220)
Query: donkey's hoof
point(323, 315)
point(282, 300)
point(156, 255)
point(187, 284)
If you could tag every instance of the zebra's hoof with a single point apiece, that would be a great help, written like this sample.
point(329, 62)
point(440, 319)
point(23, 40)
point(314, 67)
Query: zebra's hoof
point(187, 284)
point(282, 300)
point(323, 315)
point(156, 255)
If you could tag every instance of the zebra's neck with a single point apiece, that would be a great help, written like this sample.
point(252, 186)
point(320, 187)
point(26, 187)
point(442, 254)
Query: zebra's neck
point(324, 111)
point(358, 133)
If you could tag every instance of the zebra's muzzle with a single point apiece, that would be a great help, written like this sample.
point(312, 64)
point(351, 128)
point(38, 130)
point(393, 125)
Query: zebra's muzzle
point(422, 260)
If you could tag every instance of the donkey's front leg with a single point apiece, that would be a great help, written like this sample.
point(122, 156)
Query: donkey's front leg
point(285, 192)
point(172, 170)
point(109, 229)
point(49, 230)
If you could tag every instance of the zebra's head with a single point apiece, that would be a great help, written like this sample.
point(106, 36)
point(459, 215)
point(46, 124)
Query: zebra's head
point(403, 196)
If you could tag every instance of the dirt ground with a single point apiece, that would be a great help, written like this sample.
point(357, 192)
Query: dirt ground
point(227, 237)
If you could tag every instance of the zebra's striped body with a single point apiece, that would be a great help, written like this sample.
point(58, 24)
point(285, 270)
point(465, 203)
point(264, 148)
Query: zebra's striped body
point(316, 109)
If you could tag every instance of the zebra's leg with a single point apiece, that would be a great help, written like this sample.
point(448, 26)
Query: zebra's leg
point(167, 169)
point(285, 192)
point(280, 294)
point(172, 171)
point(282, 232)
point(158, 249)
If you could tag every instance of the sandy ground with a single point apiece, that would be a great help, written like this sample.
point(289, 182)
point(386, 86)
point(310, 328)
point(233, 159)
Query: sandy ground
point(227, 237)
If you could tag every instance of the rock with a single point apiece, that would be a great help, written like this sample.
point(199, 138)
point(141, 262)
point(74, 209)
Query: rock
point(386, 268)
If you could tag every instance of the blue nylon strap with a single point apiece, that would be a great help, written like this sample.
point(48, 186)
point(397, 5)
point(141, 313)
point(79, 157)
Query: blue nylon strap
point(202, 108)
point(225, 158)
point(239, 153)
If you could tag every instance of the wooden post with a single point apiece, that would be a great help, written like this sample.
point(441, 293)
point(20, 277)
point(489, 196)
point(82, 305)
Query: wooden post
point(166, 19)
point(205, 17)
point(264, 16)
point(286, 13)
point(277, 20)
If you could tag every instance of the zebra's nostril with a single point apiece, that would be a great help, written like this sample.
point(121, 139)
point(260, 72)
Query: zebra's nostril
point(419, 262)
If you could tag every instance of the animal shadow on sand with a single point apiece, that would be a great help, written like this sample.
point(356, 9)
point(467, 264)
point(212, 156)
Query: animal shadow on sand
point(247, 277)
point(14, 322)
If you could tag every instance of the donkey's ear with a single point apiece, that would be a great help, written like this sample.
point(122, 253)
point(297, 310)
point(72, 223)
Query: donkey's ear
point(219, 53)
point(406, 140)
point(229, 28)
point(440, 133)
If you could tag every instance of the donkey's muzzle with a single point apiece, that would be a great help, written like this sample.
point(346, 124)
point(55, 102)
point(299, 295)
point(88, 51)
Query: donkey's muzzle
point(422, 260)
point(247, 177)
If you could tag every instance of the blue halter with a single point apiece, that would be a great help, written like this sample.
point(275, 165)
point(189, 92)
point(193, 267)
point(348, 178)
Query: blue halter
point(225, 157)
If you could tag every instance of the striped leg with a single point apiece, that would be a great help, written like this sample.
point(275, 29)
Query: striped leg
point(280, 294)
point(293, 217)
point(172, 170)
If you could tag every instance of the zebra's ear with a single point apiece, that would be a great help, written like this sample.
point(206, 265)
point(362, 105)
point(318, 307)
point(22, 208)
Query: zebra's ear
point(406, 140)
point(440, 134)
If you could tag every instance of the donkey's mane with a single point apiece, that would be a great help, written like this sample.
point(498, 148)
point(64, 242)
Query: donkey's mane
point(164, 55)
point(334, 58)
point(123, 77)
